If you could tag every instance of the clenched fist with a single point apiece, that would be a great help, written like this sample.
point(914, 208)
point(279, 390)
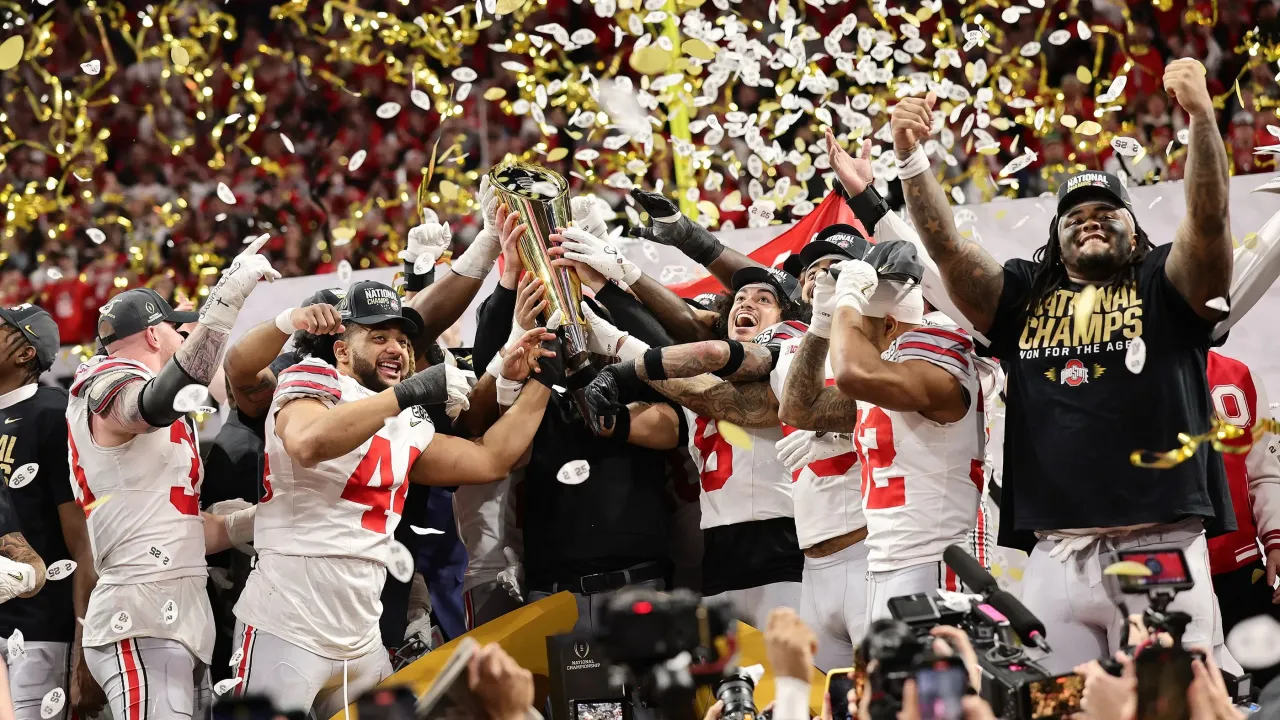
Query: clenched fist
point(911, 122)
point(1185, 82)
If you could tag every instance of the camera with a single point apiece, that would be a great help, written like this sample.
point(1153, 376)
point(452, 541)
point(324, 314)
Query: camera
point(737, 691)
point(901, 651)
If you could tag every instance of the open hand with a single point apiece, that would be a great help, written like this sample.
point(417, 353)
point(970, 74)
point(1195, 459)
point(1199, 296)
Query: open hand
point(521, 358)
point(531, 301)
point(854, 172)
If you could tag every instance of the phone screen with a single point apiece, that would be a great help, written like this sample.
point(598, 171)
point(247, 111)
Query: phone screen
point(1055, 697)
point(940, 688)
point(597, 710)
point(1168, 568)
point(838, 686)
point(1163, 677)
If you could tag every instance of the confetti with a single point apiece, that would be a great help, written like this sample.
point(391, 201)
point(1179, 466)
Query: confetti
point(159, 556)
point(60, 569)
point(224, 686)
point(236, 657)
point(425, 530)
point(344, 272)
point(93, 67)
point(734, 435)
point(464, 75)
point(169, 612)
point(190, 397)
point(52, 703)
point(17, 645)
point(23, 475)
point(1083, 31)
point(1136, 357)
point(1127, 568)
point(387, 110)
point(1153, 202)
point(225, 194)
point(574, 472)
point(288, 144)
point(179, 56)
point(357, 159)
point(231, 118)
point(1059, 37)
point(1218, 303)
point(1255, 642)
point(1089, 128)
point(1086, 298)
point(11, 52)
point(1126, 146)
point(421, 99)
point(399, 561)
point(121, 622)
point(96, 504)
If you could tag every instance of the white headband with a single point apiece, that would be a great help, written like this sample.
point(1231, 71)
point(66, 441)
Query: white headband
point(904, 301)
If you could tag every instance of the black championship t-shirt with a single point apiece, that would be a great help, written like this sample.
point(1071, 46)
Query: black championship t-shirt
point(35, 431)
point(1075, 412)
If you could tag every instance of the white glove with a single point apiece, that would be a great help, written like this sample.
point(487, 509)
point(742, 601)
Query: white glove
point(420, 627)
point(427, 242)
point(237, 516)
point(16, 578)
point(459, 386)
point(510, 577)
point(856, 283)
point(484, 250)
point(588, 216)
point(599, 255)
point(602, 337)
point(227, 297)
point(823, 304)
point(803, 447)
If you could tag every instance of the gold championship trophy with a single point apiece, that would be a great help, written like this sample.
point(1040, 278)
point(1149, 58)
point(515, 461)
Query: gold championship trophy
point(541, 197)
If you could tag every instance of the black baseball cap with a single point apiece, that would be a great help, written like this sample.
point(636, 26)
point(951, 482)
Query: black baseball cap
point(838, 239)
point(784, 286)
point(133, 311)
point(1092, 185)
point(369, 302)
point(896, 260)
point(328, 296)
point(38, 327)
point(704, 301)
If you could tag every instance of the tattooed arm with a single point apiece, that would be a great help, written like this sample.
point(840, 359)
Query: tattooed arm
point(683, 322)
point(712, 356)
point(749, 404)
point(807, 402)
point(973, 278)
point(15, 547)
point(1199, 265)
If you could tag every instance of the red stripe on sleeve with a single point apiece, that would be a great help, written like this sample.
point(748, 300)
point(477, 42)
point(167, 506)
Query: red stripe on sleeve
point(327, 389)
point(964, 361)
point(314, 369)
point(957, 338)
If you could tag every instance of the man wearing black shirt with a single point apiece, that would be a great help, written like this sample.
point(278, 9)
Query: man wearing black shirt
point(1075, 411)
point(33, 444)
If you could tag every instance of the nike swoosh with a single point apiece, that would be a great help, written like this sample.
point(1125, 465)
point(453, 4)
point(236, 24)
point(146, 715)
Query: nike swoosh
point(11, 420)
point(14, 576)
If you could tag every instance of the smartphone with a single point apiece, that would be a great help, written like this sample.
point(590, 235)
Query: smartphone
point(1164, 674)
point(1168, 570)
point(1055, 697)
point(597, 710)
point(940, 686)
point(839, 684)
point(396, 703)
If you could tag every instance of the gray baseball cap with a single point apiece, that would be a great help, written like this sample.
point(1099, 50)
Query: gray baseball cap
point(133, 311)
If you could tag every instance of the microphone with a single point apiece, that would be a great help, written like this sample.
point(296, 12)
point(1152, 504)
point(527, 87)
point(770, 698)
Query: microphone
point(969, 570)
point(1026, 624)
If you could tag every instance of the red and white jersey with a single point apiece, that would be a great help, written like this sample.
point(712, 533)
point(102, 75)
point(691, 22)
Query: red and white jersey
point(142, 503)
point(1253, 477)
point(328, 526)
point(742, 484)
point(828, 493)
point(921, 479)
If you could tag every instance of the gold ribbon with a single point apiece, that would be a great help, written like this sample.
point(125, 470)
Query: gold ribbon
point(1219, 432)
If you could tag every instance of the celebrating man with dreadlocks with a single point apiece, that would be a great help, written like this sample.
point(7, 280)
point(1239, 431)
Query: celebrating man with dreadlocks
point(1080, 396)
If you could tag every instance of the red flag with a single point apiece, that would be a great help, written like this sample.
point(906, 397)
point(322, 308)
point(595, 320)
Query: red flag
point(831, 211)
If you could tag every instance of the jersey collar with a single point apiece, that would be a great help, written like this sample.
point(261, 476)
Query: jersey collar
point(13, 397)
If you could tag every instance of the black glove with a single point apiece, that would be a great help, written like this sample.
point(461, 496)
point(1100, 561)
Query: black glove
point(429, 387)
point(608, 393)
point(668, 227)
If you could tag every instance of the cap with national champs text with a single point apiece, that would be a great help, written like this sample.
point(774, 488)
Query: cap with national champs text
point(784, 285)
point(369, 302)
point(1092, 185)
point(840, 240)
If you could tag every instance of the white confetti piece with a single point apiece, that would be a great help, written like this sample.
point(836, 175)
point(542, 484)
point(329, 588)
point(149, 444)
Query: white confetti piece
point(387, 110)
point(60, 570)
point(17, 645)
point(23, 475)
point(357, 159)
point(1010, 15)
point(121, 622)
point(1255, 642)
point(1059, 37)
point(399, 561)
point(225, 194)
point(464, 90)
point(224, 686)
point(423, 265)
point(1018, 164)
point(288, 144)
point(464, 75)
point(236, 657)
point(169, 613)
point(574, 472)
point(93, 67)
point(1082, 29)
point(190, 397)
point(425, 530)
point(1136, 357)
point(1153, 202)
point(231, 118)
point(344, 272)
point(1031, 49)
point(1126, 146)
point(420, 98)
point(1218, 303)
point(958, 195)
point(159, 556)
point(1021, 222)
point(52, 703)
point(1184, 135)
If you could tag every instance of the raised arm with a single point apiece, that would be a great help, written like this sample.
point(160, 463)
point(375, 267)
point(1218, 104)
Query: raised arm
point(1199, 265)
point(974, 280)
point(808, 402)
point(248, 363)
point(454, 461)
point(668, 226)
point(683, 322)
point(727, 359)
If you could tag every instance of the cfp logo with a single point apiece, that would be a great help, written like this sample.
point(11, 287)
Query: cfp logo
point(581, 649)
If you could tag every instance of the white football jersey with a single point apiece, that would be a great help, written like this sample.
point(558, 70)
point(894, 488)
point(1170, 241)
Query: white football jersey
point(142, 510)
point(486, 517)
point(920, 479)
point(827, 493)
point(322, 533)
point(742, 484)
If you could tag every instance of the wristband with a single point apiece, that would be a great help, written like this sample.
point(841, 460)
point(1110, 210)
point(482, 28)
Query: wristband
point(284, 321)
point(791, 698)
point(653, 364)
point(508, 391)
point(239, 525)
point(494, 367)
point(631, 348)
point(414, 282)
point(736, 353)
point(915, 163)
point(869, 207)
